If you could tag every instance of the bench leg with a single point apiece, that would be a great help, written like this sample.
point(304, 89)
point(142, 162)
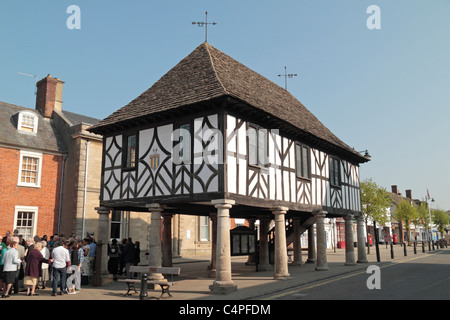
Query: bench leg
point(131, 286)
point(165, 290)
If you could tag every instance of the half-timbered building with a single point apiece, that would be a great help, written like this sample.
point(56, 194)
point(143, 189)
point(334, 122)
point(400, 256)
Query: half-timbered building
point(214, 138)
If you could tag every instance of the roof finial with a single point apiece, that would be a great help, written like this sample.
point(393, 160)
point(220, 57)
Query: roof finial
point(205, 23)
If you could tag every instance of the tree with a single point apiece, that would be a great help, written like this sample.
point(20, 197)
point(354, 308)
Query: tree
point(423, 216)
point(406, 212)
point(440, 219)
point(375, 202)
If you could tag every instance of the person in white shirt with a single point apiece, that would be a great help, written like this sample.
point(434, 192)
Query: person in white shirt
point(10, 262)
point(61, 259)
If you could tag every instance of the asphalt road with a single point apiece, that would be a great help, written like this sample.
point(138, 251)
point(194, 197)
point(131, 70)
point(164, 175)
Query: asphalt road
point(415, 278)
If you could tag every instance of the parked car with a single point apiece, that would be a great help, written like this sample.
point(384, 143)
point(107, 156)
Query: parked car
point(441, 243)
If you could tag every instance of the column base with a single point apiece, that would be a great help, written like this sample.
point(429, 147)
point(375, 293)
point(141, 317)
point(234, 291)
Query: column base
point(311, 261)
point(362, 261)
point(296, 263)
point(282, 276)
point(350, 264)
point(265, 267)
point(322, 268)
point(222, 288)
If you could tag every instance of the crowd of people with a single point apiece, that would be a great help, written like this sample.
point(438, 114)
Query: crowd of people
point(122, 256)
point(27, 265)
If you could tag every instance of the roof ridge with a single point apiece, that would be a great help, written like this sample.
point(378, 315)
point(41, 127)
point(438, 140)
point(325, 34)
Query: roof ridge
point(207, 45)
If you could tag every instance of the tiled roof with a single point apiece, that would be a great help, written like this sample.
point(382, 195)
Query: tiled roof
point(46, 138)
point(75, 118)
point(208, 73)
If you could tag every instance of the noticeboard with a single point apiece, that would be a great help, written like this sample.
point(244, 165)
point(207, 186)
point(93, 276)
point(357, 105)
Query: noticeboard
point(243, 241)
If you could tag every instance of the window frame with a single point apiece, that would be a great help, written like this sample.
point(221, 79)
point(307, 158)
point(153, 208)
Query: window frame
point(35, 155)
point(20, 121)
point(299, 162)
point(125, 165)
point(260, 163)
point(34, 211)
point(206, 226)
point(335, 163)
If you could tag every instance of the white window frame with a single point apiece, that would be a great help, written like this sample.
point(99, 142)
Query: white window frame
point(20, 120)
point(35, 211)
point(39, 169)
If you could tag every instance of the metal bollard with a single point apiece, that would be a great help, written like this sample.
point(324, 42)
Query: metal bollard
point(429, 245)
point(433, 245)
point(415, 247)
point(423, 246)
point(404, 249)
point(143, 295)
point(392, 251)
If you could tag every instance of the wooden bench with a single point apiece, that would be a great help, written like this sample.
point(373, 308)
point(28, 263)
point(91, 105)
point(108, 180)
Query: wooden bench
point(141, 270)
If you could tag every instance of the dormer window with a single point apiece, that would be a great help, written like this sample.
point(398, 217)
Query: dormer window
point(27, 122)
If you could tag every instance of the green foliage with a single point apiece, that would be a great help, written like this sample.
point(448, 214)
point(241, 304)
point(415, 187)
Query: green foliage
point(375, 202)
point(423, 216)
point(406, 212)
point(440, 219)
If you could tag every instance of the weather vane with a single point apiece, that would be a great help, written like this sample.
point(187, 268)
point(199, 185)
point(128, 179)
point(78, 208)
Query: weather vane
point(286, 76)
point(205, 23)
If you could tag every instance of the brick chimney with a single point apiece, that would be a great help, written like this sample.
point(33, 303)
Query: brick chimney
point(394, 189)
point(408, 194)
point(49, 95)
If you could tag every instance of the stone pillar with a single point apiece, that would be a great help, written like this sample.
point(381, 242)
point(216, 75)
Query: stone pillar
point(362, 255)
point(154, 237)
point(311, 245)
point(103, 238)
point(264, 262)
point(251, 258)
point(280, 258)
point(212, 265)
point(349, 248)
point(297, 244)
point(167, 240)
point(321, 263)
point(223, 283)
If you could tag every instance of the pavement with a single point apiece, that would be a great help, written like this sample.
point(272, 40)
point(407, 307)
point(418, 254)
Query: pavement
point(194, 280)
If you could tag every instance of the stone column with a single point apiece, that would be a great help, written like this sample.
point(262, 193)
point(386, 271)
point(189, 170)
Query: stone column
point(280, 258)
point(251, 257)
point(362, 255)
point(297, 244)
point(167, 240)
point(212, 265)
point(223, 283)
point(264, 262)
point(349, 248)
point(311, 245)
point(103, 238)
point(321, 263)
point(154, 237)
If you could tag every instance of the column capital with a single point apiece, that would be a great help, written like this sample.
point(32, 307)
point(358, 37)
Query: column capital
point(319, 213)
point(223, 203)
point(279, 210)
point(154, 207)
point(103, 210)
point(348, 217)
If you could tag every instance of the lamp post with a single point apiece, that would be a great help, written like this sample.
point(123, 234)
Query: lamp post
point(430, 235)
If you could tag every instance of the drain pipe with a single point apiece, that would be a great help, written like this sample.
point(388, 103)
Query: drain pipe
point(61, 191)
point(85, 190)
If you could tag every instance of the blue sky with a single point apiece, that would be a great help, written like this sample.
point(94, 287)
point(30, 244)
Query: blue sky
point(385, 90)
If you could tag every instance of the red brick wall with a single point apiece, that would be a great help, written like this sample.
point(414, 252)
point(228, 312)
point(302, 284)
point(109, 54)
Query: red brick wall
point(46, 198)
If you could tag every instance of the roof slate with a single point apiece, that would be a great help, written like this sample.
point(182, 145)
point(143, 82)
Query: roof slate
point(208, 73)
point(47, 137)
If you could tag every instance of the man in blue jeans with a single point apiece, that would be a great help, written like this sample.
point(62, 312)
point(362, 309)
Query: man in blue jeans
point(61, 259)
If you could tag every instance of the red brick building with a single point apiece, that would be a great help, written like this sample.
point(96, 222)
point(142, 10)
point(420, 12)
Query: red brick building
point(34, 147)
